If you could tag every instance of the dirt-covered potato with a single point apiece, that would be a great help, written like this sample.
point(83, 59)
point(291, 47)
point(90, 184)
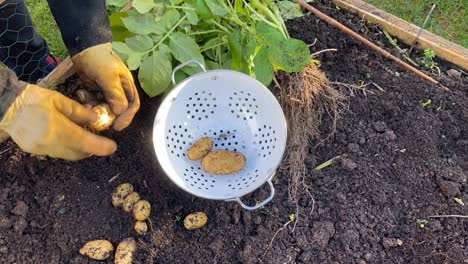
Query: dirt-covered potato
point(141, 227)
point(125, 251)
point(105, 117)
point(129, 201)
point(200, 148)
point(195, 220)
point(120, 193)
point(141, 210)
point(222, 162)
point(97, 249)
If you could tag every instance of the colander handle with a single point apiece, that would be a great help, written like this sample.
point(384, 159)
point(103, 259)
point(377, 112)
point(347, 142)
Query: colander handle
point(199, 64)
point(267, 200)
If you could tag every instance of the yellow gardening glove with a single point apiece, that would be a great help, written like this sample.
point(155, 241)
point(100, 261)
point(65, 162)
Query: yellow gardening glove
point(101, 66)
point(45, 122)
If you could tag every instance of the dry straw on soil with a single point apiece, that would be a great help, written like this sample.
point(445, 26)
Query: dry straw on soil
point(305, 97)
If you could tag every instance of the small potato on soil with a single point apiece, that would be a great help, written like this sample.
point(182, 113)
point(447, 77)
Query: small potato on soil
point(120, 193)
point(129, 201)
point(223, 162)
point(125, 251)
point(141, 227)
point(200, 148)
point(105, 117)
point(141, 210)
point(195, 220)
point(97, 249)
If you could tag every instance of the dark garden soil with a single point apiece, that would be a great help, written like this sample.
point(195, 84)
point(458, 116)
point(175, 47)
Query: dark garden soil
point(399, 164)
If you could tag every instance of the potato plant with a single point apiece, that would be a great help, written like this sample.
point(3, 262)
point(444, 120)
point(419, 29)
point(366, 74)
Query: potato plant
point(250, 37)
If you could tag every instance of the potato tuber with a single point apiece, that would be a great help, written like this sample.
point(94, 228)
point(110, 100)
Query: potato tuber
point(97, 249)
point(125, 251)
point(141, 227)
point(105, 117)
point(195, 220)
point(120, 193)
point(200, 148)
point(129, 201)
point(141, 210)
point(222, 162)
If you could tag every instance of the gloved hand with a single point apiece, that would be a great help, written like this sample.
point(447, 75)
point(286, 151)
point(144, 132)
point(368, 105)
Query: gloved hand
point(101, 66)
point(45, 122)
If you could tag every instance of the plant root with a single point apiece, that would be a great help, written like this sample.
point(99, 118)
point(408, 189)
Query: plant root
point(305, 97)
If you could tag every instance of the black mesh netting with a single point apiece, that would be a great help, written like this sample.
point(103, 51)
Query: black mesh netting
point(22, 49)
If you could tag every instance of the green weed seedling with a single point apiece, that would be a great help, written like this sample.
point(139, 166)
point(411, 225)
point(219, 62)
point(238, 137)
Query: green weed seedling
point(422, 223)
point(427, 103)
point(428, 61)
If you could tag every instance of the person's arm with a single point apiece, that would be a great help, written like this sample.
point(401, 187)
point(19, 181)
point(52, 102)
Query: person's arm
point(83, 23)
point(86, 32)
point(44, 122)
point(10, 88)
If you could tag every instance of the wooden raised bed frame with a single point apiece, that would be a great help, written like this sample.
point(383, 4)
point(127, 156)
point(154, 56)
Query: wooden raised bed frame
point(395, 26)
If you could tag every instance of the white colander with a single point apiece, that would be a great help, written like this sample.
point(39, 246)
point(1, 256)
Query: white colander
point(239, 113)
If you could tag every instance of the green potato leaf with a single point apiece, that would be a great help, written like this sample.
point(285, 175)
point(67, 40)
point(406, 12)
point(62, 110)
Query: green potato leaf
point(236, 44)
point(143, 6)
point(155, 73)
point(192, 16)
point(134, 61)
point(139, 43)
point(117, 27)
point(121, 49)
point(164, 48)
point(184, 48)
point(140, 23)
point(217, 7)
point(289, 10)
point(268, 33)
point(176, 2)
point(211, 65)
point(289, 55)
point(167, 21)
point(201, 8)
point(259, 65)
point(179, 76)
point(264, 71)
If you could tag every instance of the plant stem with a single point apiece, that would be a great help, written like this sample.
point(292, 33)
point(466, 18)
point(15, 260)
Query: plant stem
point(176, 7)
point(263, 18)
point(167, 34)
point(220, 26)
point(243, 25)
point(214, 46)
point(269, 14)
point(204, 32)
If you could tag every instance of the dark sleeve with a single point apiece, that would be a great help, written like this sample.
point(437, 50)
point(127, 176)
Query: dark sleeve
point(83, 23)
point(10, 87)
